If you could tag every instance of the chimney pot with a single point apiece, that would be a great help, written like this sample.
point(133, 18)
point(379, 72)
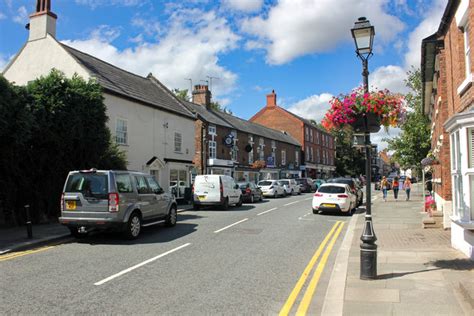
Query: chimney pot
point(271, 99)
point(202, 95)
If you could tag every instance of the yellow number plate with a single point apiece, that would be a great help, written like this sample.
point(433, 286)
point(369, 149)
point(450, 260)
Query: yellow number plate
point(201, 197)
point(70, 205)
point(329, 205)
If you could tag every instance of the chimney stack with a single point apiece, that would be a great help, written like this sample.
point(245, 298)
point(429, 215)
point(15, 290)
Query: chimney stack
point(43, 21)
point(271, 99)
point(202, 95)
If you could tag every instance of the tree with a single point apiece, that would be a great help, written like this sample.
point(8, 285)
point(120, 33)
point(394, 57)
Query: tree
point(349, 160)
point(181, 94)
point(64, 126)
point(217, 107)
point(414, 142)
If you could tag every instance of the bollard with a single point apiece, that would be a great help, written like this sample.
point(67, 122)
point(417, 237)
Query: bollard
point(29, 228)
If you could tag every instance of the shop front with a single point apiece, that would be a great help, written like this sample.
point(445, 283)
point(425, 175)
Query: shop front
point(269, 174)
point(180, 175)
point(242, 173)
point(220, 166)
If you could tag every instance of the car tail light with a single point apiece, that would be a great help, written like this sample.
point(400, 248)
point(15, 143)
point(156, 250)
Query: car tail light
point(192, 189)
point(62, 202)
point(318, 194)
point(113, 202)
point(343, 196)
point(248, 191)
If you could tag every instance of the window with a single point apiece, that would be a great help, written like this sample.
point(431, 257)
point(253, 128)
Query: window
point(311, 154)
point(470, 137)
point(307, 153)
point(318, 156)
point(212, 149)
point(467, 50)
point(261, 146)
point(121, 132)
point(212, 130)
point(154, 186)
point(124, 184)
point(177, 142)
point(283, 157)
point(317, 137)
point(142, 186)
point(306, 133)
point(250, 138)
point(274, 146)
point(311, 135)
point(297, 158)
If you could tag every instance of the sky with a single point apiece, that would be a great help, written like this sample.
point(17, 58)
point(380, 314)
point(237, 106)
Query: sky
point(244, 49)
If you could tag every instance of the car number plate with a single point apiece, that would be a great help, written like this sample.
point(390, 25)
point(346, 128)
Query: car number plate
point(70, 205)
point(201, 197)
point(328, 205)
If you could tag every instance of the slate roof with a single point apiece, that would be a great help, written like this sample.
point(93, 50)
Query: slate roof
point(145, 90)
point(306, 121)
point(234, 122)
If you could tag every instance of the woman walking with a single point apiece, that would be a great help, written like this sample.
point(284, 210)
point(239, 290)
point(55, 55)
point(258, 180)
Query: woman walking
point(384, 186)
point(395, 188)
point(407, 186)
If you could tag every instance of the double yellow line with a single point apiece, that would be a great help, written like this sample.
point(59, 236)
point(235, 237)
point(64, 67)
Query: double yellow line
point(311, 288)
point(17, 254)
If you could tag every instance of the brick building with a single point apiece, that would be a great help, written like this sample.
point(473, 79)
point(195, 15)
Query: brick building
point(226, 144)
point(447, 76)
point(318, 148)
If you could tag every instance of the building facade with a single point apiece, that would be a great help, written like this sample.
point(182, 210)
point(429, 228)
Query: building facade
point(226, 144)
point(145, 119)
point(318, 147)
point(447, 76)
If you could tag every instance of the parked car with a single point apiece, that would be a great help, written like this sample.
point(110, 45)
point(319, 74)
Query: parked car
point(305, 184)
point(290, 186)
point(352, 184)
point(271, 188)
point(214, 190)
point(334, 197)
point(114, 200)
point(250, 192)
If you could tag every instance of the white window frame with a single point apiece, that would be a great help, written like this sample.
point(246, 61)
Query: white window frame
point(212, 130)
point(123, 138)
point(307, 153)
point(311, 135)
point(250, 155)
point(297, 157)
point(212, 149)
point(462, 21)
point(283, 157)
point(311, 155)
point(317, 137)
point(178, 142)
point(306, 133)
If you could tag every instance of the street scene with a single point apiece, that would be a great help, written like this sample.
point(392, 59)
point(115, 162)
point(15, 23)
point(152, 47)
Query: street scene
point(236, 157)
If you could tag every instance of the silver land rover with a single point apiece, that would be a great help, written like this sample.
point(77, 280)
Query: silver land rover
point(114, 200)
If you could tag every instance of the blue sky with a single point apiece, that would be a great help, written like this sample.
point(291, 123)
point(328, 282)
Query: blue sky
point(300, 48)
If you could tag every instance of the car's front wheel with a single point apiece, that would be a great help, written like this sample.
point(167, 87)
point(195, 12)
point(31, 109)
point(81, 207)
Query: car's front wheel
point(240, 202)
point(172, 217)
point(134, 226)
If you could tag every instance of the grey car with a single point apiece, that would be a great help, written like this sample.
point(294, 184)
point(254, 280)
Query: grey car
point(114, 200)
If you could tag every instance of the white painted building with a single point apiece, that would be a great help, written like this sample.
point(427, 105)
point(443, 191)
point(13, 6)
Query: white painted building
point(147, 121)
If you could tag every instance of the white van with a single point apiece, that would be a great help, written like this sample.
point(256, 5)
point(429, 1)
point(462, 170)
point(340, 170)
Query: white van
point(216, 190)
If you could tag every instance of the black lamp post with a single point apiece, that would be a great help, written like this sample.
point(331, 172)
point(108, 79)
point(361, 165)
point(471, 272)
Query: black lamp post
point(363, 34)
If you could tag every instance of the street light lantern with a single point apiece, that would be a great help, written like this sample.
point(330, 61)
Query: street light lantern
point(363, 34)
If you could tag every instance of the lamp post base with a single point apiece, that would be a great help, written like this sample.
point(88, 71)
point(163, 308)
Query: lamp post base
point(368, 261)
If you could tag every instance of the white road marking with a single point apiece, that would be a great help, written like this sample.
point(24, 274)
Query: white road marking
point(308, 199)
point(301, 218)
point(140, 265)
point(272, 209)
point(218, 231)
point(291, 203)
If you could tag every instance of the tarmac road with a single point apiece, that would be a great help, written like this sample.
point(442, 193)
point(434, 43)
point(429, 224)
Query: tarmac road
point(244, 260)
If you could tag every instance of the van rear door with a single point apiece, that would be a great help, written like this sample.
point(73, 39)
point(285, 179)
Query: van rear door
point(86, 194)
point(207, 188)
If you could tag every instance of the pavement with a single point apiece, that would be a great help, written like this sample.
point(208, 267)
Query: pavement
point(417, 270)
point(16, 238)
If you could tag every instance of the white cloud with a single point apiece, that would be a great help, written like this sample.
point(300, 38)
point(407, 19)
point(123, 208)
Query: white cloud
point(313, 107)
point(243, 5)
point(427, 27)
point(149, 26)
point(378, 138)
point(2, 16)
point(190, 49)
point(22, 16)
point(295, 28)
point(389, 77)
point(106, 33)
point(97, 3)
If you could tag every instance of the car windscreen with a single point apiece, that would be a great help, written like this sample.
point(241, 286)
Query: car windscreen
point(242, 185)
point(89, 184)
point(301, 181)
point(284, 182)
point(331, 189)
point(265, 183)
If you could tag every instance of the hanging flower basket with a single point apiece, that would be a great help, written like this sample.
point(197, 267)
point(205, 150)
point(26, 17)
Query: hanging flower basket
point(382, 108)
point(373, 123)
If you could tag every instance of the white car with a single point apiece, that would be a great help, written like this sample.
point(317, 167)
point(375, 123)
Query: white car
point(217, 190)
point(291, 186)
point(334, 197)
point(271, 188)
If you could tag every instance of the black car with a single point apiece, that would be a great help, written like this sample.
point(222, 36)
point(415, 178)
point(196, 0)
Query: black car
point(354, 187)
point(305, 184)
point(250, 192)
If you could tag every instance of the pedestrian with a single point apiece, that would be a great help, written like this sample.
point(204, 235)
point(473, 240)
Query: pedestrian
point(384, 186)
point(395, 186)
point(407, 186)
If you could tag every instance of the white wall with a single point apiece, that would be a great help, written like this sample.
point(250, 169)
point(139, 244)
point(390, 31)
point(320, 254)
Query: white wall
point(38, 58)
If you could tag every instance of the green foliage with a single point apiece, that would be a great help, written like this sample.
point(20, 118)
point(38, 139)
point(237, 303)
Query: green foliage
point(181, 94)
point(217, 107)
point(413, 143)
point(57, 125)
point(349, 160)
